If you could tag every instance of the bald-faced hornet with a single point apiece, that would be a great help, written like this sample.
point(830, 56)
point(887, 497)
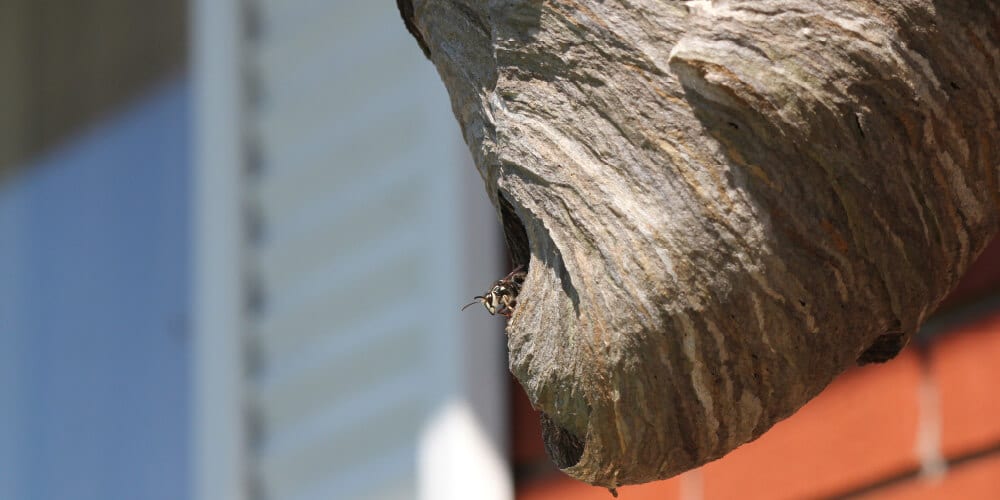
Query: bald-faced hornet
point(502, 297)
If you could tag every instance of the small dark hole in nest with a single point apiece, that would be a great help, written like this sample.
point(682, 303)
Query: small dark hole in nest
point(514, 233)
point(562, 447)
point(735, 126)
point(884, 348)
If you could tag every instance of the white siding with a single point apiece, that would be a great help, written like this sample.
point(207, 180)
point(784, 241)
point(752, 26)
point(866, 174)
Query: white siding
point(365, 229)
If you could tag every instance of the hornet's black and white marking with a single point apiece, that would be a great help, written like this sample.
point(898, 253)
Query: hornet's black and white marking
point(502, 296)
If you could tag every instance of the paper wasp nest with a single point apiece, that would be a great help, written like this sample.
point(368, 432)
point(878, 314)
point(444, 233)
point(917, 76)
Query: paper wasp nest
point(721, 204)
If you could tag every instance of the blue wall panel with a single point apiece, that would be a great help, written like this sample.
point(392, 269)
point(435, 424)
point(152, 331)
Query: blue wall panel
point(94, 282)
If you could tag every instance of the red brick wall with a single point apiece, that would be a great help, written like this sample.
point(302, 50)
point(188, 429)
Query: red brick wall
point(923, 426)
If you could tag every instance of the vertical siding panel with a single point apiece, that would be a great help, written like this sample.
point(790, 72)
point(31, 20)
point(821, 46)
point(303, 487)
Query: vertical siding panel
point(359, 260)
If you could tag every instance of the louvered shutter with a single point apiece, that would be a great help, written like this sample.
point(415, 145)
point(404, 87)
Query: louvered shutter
point(358, 217)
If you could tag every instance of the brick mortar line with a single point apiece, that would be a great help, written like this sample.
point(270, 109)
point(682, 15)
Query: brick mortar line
point(967, 312)
point(928, 438)
point(915, 472)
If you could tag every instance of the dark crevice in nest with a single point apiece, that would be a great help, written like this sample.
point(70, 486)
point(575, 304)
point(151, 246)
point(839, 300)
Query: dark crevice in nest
point(883, 348)
point(514, 233)
point(563, 447)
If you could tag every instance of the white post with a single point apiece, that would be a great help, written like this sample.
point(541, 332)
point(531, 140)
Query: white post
point(219, 430)
point(464, 448)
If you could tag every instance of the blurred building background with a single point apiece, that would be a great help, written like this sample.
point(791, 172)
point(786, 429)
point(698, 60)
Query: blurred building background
point(234, 238)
